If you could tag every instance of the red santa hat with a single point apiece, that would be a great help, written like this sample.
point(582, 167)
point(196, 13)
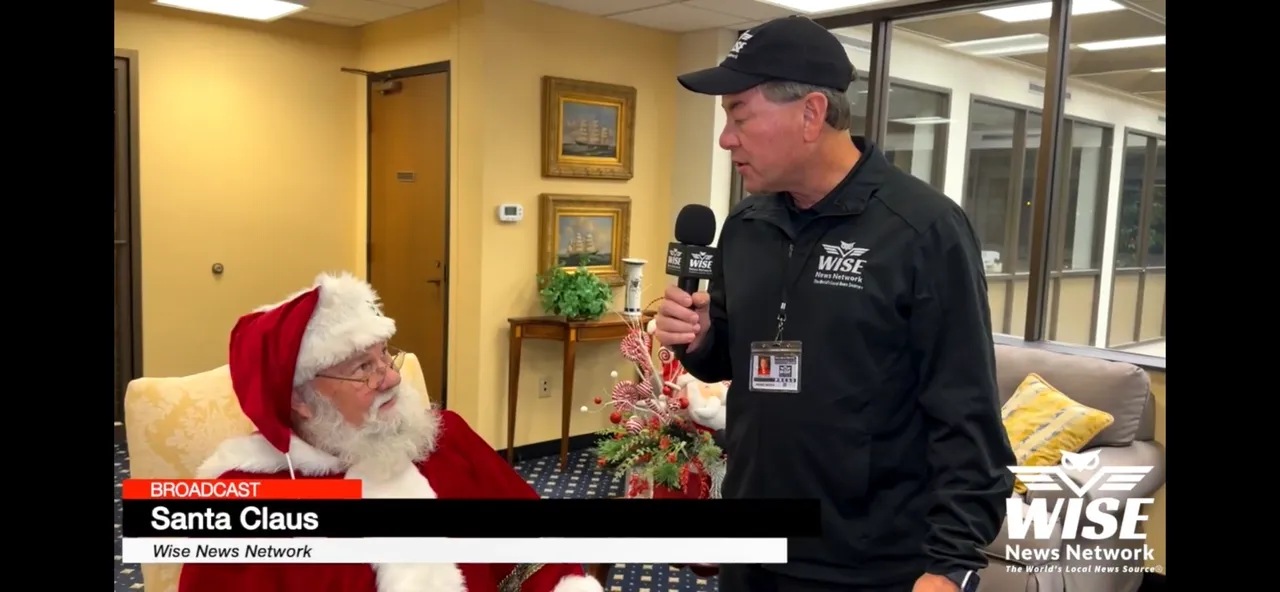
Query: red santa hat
point(280, 347)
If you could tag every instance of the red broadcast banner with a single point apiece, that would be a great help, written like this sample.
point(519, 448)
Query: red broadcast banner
point(241, 489)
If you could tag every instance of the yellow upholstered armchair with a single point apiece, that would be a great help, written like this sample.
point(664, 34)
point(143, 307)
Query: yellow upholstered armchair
point(174, 424)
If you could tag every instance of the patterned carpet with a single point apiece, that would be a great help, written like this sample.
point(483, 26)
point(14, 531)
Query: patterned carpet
point(580, 479)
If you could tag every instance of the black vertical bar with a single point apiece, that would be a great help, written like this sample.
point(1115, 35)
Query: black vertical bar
point(1048, 167)
point(1058, 234)
point(878, 82)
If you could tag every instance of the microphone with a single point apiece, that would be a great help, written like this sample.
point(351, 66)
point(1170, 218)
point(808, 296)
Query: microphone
point(690, 258)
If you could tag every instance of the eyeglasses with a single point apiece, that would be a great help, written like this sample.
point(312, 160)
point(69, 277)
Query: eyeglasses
point(372, 375)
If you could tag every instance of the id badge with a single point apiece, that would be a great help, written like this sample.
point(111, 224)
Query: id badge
point(775, 366)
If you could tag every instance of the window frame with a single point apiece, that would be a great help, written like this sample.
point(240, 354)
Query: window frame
point(940, 142)
point(1048, 187)
point(1142, 270)
point(1009, 275)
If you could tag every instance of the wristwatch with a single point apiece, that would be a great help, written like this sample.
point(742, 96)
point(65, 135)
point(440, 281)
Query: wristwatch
point(966, 581)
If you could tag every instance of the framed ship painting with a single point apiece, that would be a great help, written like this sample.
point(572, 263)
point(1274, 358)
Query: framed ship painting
point(590, 229)
point(588, 129)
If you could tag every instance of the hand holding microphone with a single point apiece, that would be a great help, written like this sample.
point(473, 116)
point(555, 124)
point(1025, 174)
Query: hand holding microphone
point(684, 315)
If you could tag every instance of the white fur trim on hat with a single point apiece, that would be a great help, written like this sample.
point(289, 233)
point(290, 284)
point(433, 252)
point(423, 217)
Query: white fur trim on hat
point(347, 320)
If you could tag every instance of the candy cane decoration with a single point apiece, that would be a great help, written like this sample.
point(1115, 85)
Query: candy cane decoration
point(635, 347)
point(648, 395)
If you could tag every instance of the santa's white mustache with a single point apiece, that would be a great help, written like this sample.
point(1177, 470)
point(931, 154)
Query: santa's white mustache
point(381, 442)
point(383, 399)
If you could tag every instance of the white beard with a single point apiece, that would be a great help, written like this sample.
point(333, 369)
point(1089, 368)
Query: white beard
point(386, 443)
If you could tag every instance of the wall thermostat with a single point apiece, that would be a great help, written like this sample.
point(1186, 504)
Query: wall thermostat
point(510, 213)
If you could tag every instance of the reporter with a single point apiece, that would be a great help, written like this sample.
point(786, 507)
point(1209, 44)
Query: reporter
point(874, 281)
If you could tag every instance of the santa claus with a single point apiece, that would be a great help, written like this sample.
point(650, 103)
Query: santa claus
point(317, 378)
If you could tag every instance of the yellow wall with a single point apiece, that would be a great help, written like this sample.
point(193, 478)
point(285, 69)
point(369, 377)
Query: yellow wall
point(1156, 524)
point(253, 155)
point(497, 161)
point(576, 46)
point(246, 155)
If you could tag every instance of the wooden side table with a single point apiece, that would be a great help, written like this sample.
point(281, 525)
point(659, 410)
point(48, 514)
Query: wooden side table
point(570, 333)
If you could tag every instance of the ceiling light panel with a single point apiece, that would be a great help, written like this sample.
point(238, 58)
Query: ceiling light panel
point(1003, 46)
point(1122, 43)
point(822, 6)
point(1040, 11)
point(1158, 70)
point(921, 120)
point(258, 10)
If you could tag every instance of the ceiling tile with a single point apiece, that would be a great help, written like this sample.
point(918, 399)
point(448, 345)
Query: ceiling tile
point(605, 7)
point(678, 18)
point(318, 17)
point(749, 10)
point(415, 4)
point(364, 10)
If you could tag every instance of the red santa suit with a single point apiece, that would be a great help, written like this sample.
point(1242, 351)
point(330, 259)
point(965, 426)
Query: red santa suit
point(279, 347)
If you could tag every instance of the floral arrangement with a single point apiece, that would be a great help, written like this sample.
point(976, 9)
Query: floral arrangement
point(653, 442)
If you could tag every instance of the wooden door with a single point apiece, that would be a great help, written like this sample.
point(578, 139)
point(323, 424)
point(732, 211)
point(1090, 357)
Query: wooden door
point(126, 364)
point(408, 214)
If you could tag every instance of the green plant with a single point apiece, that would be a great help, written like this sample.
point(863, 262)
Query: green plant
point(579, 295)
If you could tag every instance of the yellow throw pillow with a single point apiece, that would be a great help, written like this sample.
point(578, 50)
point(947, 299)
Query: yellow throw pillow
point(1042, 423)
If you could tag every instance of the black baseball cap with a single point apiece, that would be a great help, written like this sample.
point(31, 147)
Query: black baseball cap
point(793, 49)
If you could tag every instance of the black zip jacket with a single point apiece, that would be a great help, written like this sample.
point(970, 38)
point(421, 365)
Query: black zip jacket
point(897, 427)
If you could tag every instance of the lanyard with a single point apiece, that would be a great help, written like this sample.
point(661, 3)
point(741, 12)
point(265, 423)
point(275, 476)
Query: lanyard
point(782, 307)
point(786, 287)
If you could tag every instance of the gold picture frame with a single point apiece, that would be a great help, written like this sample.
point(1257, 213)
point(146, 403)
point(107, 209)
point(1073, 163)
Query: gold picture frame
point(588, 129)
point(595, 226)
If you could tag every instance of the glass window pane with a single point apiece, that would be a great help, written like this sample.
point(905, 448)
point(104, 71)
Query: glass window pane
point(919, 117)
point(1138, 294)
point(1155, 216)
point(1085, 210)
point(857, 43)
point(961, 104)
point(918, 126)
point(1132, 180)
point(990, 65)
point(1028, 193)
point(1120, 52)
point(1078, 223)
point(986, 192)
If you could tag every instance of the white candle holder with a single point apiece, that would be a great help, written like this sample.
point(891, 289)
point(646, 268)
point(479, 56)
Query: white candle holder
point(633, 275)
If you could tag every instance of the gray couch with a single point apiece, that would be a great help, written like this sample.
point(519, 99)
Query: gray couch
point(1123, 390)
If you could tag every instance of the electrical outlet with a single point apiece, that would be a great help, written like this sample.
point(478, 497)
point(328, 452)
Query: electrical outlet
point(544, 388)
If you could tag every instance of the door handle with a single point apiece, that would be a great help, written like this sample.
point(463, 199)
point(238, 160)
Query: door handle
point(436, 282)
